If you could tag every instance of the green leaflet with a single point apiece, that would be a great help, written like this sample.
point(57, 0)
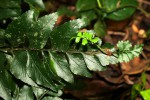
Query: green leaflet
point(17, 30)
point(39, 91)
point(83, 5)
point(77, 65)
point(25, 93)
point(26, 26)
point(119, 9)
point(100, 28)
point(19, 69)
point(40, 30)
point(145, 94)
point(10, 8)
point(38, 4)
point(7, 84)
point(126, 52)
point(61, 66)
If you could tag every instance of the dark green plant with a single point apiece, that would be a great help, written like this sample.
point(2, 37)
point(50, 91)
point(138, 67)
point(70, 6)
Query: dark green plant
point(36, 60)
point(139, 89)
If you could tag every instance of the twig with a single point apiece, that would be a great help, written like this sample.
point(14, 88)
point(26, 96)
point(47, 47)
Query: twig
point(142, 1)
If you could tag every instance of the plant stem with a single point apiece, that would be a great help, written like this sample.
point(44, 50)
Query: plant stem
point(99, 4)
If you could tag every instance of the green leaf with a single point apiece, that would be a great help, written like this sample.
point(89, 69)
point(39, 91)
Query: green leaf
point(88, 35)
point(106, 59)
point(17, 30)
point(100, 28)
point(95, 40)
point(25, 93)
point(61, 66)
point(77, 64)
point(77, 40)
point(124, 45)
point(19, 69)
point(143, 78)
point(136, 88)
point(40, 30)
point(36, 4)
point(93, 63)
point(64, 10)
point(7, 85)
point(9, 8)
point(84, 41)
point(119, 9)
point(145, 94)
point(38, 72)
point(89, 15)
point(83, 5)
point(127, 52)
point(61, 35)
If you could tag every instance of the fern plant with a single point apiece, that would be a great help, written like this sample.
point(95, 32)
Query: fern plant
point(37, 61)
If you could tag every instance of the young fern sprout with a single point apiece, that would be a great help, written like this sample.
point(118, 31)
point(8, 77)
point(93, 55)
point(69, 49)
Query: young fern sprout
point(89, 38)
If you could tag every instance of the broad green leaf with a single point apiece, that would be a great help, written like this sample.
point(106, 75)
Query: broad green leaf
point(83, 5)
point(92, 63)
point(25, 93)
point(145, 94)
point(106, 59)
point(65, 11)
point(41, 29)
point(17, 30)
point(19, 69)
point(90, 15)
point(9, 8)
point(100, 28)
point(61, 35)
point(119, 9)
point(36, 4)
point(7, 85)
point(77, 64)
point(38, 72)
point(61, 66)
